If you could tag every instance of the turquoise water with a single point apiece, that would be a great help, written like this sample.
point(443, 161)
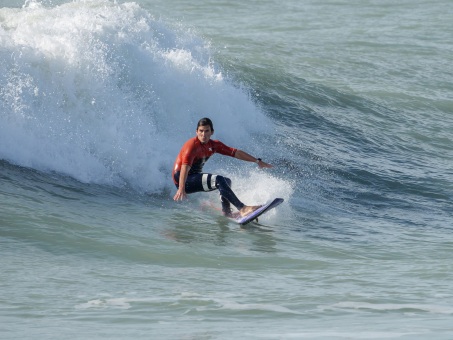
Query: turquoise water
point(351, 101)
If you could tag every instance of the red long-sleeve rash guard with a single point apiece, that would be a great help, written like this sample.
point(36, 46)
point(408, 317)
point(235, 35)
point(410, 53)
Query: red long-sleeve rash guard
point(195, 154)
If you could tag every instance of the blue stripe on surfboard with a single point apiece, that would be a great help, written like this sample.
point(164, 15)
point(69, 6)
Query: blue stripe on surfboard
point(258, 212)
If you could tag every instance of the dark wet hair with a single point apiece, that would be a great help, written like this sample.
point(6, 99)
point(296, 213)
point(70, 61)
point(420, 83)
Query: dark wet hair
point(204, 122)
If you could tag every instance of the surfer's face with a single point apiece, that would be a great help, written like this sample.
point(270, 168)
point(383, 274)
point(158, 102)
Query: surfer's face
point(204, 133)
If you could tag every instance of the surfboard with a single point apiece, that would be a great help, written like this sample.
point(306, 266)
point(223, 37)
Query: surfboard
point(258, 212)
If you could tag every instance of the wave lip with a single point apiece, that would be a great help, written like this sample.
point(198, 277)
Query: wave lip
point(106, 93)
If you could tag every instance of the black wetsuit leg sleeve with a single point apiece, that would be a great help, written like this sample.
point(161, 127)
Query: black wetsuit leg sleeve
point(224, 186)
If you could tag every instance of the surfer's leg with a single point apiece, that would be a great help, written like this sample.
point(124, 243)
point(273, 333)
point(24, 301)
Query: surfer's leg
point(227, 195)
point(226, 206)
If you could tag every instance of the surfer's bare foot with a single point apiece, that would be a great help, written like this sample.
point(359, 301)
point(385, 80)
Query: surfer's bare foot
point(247, 209)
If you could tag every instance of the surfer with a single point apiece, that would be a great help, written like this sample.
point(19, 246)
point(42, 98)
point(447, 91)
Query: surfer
point(188, 174)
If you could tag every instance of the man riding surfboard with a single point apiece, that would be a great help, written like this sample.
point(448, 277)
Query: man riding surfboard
point(188, 174)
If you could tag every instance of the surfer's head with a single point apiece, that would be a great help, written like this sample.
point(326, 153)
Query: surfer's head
point(204, 130)
point(205, 122)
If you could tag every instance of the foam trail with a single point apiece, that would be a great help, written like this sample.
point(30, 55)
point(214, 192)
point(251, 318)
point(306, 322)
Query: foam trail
point(106, 93)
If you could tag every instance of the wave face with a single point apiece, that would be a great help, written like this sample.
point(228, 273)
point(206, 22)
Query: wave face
point(106, 93)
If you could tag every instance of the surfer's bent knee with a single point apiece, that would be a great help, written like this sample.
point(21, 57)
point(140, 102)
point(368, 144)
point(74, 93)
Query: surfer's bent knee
point(222, 181)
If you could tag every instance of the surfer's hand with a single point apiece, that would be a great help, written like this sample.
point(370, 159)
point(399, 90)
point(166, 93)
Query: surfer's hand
point(180, 195)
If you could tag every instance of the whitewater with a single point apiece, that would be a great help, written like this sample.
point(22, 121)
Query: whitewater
point(351, 103)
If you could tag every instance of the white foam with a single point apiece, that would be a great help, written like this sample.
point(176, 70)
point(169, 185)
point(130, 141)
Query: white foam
point(106, 93)
point(260, 186)
point(120, 303)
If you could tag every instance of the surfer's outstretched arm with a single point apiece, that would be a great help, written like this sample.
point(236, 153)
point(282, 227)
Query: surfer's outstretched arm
point(244, 156)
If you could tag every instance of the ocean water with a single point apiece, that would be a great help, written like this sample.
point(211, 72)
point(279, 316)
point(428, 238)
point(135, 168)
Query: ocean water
point(351, 101)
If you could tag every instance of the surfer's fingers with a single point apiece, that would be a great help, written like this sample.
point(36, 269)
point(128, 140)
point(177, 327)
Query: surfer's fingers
point(179, 196)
